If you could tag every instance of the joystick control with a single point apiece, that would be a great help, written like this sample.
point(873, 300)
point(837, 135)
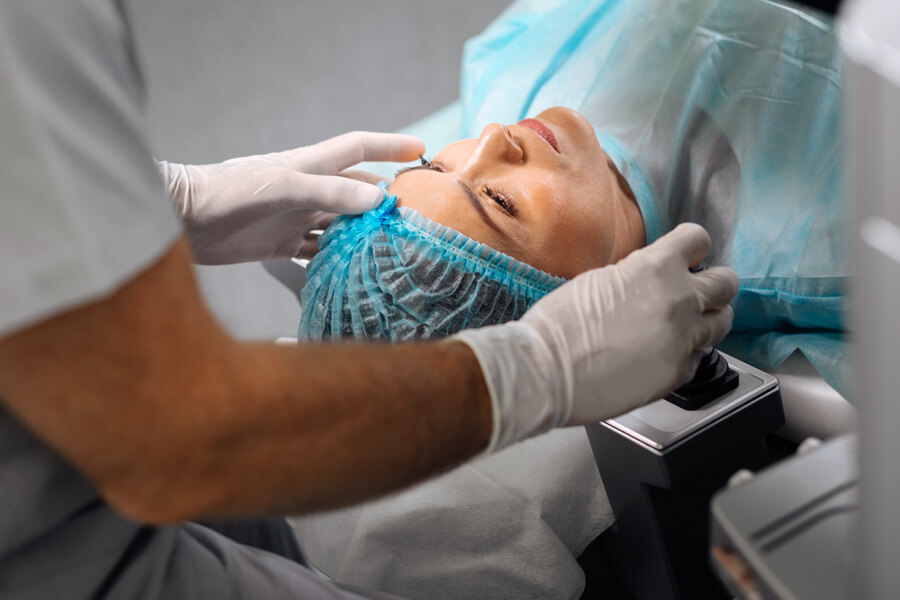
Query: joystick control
point(713, 378)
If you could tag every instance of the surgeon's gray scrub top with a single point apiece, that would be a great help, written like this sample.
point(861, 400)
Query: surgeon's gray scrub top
point(82, 209)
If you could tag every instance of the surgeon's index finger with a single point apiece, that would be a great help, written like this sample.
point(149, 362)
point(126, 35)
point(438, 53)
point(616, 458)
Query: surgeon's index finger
point(688, 241)
point(332, 193)
point(338, 153)
point(716, 287)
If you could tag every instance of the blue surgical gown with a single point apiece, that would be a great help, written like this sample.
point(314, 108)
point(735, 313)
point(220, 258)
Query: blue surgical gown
point(721, 112)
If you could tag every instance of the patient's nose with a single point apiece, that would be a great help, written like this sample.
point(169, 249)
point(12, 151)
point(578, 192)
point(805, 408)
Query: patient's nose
point(496, 144)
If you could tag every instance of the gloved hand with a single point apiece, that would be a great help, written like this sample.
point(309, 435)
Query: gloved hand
point(606, 342)
point(262, 207)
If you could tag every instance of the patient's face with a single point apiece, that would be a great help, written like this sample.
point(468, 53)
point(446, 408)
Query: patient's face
point(553, 201)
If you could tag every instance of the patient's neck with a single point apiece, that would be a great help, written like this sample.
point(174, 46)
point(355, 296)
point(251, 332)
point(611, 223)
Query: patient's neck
point(630, 233)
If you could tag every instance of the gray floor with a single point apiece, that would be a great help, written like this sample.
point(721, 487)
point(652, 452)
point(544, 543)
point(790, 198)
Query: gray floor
point(235, 77)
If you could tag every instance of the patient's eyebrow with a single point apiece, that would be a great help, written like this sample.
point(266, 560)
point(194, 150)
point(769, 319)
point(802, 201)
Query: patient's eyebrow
point(415, 168)
point(479, 207)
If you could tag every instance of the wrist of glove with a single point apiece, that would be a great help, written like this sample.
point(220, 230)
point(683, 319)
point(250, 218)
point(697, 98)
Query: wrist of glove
point(606, 342)
point(262, 207)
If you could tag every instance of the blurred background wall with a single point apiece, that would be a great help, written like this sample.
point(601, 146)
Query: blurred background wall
point(234, 77)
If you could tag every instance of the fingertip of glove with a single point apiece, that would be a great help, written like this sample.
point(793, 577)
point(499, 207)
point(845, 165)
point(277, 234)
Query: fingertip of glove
point(731, 278)
point(689, 240)
point(724, 278)
point(397, 147)
point(412, 147)
point(729, 311)
point(691, 229)
point(366, 198)
point(720, 322)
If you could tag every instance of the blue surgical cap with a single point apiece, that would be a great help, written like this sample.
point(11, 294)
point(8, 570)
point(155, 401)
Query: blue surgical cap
point(392, 274)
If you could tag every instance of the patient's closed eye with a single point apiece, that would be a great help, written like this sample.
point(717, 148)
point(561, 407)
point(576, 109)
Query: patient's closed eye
point(504, 201)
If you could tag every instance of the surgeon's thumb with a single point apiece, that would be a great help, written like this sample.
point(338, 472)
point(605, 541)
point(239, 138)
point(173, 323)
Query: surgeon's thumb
point(336, 194)
point(688, 242)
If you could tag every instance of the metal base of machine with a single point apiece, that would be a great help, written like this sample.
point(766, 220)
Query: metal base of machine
point(661, 465)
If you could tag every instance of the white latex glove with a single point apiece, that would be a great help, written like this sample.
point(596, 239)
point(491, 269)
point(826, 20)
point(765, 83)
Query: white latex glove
point(263, 207)
point(606, 342)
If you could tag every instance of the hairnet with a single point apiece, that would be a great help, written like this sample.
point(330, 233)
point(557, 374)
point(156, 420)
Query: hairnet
point(393, 274)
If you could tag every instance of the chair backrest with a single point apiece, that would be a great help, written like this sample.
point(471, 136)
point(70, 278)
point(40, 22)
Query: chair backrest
point(290, 273)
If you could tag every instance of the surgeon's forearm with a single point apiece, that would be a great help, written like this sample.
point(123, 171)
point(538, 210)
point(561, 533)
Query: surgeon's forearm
point(313, 428)
point(173, 419)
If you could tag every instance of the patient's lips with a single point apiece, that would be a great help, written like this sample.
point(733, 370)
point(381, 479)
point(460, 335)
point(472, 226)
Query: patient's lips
point(542, 130)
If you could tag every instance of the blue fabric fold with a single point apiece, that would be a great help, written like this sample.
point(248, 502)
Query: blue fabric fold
point(722, 112)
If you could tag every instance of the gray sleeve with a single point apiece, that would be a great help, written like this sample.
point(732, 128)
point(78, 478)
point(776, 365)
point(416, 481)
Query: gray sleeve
point(226, 570)
point(82, 207)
